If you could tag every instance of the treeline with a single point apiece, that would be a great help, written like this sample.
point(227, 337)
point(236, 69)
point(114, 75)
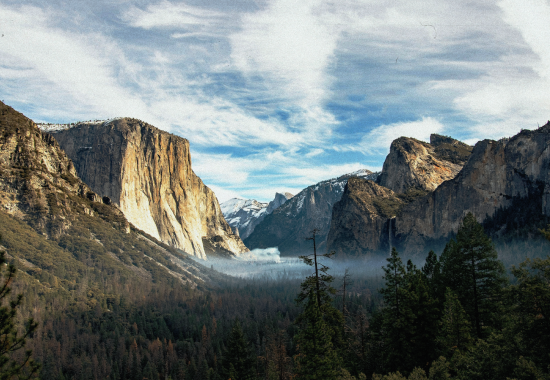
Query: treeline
point(457, 316)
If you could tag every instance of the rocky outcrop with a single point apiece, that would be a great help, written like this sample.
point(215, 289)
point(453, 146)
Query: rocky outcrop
point(243, 215)
point(288, 226)
point(362, 218)
point(497, 174)
point(38, 182)
point(279, 200)
point(416, 164)
point(147, 173)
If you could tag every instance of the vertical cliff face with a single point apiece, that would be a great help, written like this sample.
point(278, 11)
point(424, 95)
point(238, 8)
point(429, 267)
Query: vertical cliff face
point(496, 174)
point(364, 221)
point(147, 173)
point(416, 164)
point(361, 219)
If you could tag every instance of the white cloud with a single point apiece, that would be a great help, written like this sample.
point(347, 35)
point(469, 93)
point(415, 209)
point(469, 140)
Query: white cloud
point(531, 19)
point(290, 46)
point(313, 174)
point(379, 139)
point(77, 66)
point(168, 15)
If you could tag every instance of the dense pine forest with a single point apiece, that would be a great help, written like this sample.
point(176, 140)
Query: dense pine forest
point(460, 315)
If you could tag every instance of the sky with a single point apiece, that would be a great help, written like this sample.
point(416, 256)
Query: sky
point(277, 95)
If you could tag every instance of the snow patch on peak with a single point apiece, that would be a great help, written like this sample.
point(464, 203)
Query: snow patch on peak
point(56, 127)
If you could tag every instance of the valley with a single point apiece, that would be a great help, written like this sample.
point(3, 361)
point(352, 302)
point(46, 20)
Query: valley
point(132, 269)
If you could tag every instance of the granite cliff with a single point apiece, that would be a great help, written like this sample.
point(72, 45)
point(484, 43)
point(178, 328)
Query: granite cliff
point(359, 224)
point(288, 226)
point(58, 230)
point(147, 173)
point(243, 215)
point(496, 176)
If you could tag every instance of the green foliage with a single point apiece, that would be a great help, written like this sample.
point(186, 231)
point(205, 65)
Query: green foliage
point(238, 362)
point(471, 269)
point(387, 207)
point(454, 330)
point(13, 365)
point(317, 358)
point(320, 337)
point(530, 297)
point(410, 317)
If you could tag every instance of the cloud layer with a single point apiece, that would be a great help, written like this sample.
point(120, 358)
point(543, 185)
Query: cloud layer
point(276, 95)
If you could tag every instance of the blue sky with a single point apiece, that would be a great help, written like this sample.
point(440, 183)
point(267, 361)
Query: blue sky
point(277, 95)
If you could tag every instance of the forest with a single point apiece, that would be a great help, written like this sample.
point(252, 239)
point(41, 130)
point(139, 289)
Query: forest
point(460, 315)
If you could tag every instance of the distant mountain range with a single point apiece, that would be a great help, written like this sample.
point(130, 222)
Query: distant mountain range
point(415, 203)
point(243, 215)
point(288, 226)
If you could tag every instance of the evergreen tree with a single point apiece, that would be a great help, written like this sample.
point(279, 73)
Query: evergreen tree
point(319, 285)
point(471, 269)
point(10, 340)
point(423, 323)
point(238, 361)
point(454, 331)
point(531, 299)
point(317, 359)
point(320, 337)
point(409, 319)
point(394, 319)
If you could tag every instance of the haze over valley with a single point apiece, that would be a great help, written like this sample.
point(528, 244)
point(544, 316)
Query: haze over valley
point(274, 190)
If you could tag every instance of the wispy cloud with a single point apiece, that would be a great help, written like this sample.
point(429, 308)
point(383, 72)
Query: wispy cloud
point(276, 95)
point(169, 15)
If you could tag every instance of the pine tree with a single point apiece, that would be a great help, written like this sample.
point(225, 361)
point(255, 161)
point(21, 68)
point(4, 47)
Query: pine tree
point(531, 299)
point(317, 358)
point(471, 269)
point(320, 337)
point(238, 362)
point(409, 319)
point(454, 330)
point(10, 340)
point(394, 318)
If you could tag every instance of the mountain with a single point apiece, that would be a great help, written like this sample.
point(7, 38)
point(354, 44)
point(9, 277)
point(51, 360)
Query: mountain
point(243, 215)
point(147, 173)
point(60, 233)
point(416, 164)
point(505, 184)
point(288, 226)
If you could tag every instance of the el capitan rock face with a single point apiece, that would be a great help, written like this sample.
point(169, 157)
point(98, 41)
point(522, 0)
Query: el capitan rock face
point(147, 173)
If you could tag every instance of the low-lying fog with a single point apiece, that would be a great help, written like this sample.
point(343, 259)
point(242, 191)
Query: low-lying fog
point(268, 264)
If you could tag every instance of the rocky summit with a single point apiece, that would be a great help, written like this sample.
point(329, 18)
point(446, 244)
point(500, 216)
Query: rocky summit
point(148, 174)
point(416, 164)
